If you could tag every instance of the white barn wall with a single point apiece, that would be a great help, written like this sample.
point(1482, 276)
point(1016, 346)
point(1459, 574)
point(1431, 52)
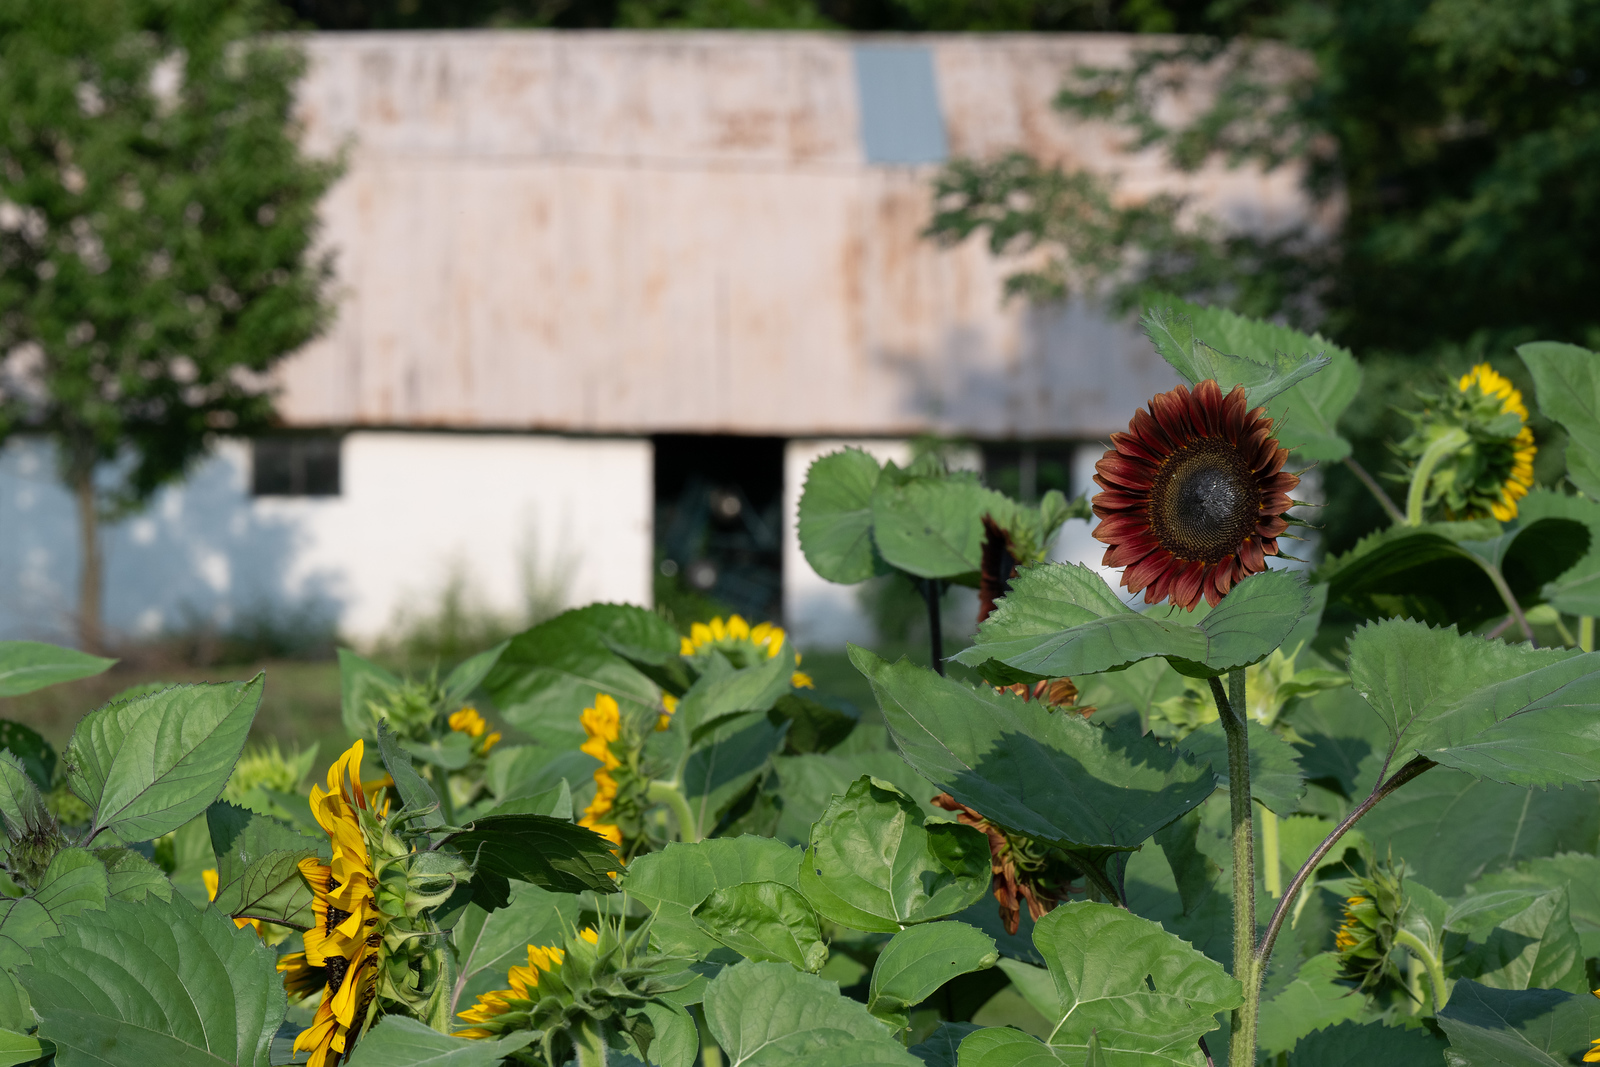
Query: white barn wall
point(414, 509)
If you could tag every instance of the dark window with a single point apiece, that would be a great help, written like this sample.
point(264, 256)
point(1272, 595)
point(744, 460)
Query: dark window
point(1026, 470)
point(295, 466)
point(719, 525)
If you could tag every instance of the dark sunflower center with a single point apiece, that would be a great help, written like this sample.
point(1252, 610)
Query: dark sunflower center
point(1204, 501)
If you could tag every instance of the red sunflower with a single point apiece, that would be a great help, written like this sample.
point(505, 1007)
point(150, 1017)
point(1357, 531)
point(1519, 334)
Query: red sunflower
point(1195, 494)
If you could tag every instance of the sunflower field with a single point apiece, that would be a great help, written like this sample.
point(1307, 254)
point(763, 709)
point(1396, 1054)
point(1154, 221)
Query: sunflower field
point(1226, 813)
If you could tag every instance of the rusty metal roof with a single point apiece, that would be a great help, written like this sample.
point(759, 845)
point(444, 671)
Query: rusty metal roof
point(618, 232)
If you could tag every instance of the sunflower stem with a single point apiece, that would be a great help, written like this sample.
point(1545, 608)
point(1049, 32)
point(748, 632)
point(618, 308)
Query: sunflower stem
point(1586, 632)
point(590, 1043)
point(1430, 963)
point(1271, 866)
point(1246, 966)
point(1395, 514)
point(1452, 440)
point(669, 794)
point(710, 1051)
point(930, 594)
point(1500, 586)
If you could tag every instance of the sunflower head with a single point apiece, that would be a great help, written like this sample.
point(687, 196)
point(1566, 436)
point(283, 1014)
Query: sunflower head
point(467, 721)
point(1493, 469)
point(1193, 495)
point(1374, 912)
point(742, 644)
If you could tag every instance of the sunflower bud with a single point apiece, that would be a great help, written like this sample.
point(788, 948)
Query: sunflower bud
point(1470, 453)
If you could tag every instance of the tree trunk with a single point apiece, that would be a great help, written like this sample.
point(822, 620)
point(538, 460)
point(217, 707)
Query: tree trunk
point(91, 636)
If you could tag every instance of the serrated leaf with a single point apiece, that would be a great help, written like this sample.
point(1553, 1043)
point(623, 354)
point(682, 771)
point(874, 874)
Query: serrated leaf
point(770, 1015)
point(1577, 873)
point(1062, 620)
point(156, 982)
point(873, 864)
point(1369, 1043)
point(764, 921)
point(26, 666)
point(21, 804)
point(149, 765)
point(1143, 994)
point(1508, 713)
point(417, 795)
point(917, 962)
point(551, 853)
point(1263, 369)
point(1049, 775)
point(75, 882)
point(258, 873)
point(1423, 823)
point(547, 675)
point(835, 526)
point(1312, 1000)
point(362, 685)
point(1519, 940)
point(1275, 778)
point(1518, 1028)
point(131, 877)
point(1436, 572)
point(674, 881)
point(397, 1041)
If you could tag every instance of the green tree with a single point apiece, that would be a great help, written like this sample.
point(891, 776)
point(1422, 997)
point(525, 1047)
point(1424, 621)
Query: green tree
point(156, 228)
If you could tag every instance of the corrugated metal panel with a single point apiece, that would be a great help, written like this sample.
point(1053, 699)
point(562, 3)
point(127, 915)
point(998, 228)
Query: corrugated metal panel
point(635, 233)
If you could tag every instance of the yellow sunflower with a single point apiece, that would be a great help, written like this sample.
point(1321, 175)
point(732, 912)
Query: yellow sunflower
point(669, 708)
point(468, 721)
point(1519, 479)
point(1471, 452)
point(743, 644)
point(520, 996)
point(346, 938)
point(603, 725)
point(300, 979)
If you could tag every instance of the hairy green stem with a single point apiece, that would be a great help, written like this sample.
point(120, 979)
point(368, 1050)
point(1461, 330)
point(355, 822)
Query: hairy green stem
point(1450, 441)
point(591, 1044)
point(669, 794)
point(1429, 962)
point(1394, 513)
point(1510, 599)
point(1246, 967)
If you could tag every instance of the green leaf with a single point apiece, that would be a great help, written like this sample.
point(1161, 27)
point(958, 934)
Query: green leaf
point(397, 1041)
point(362, 684)
point(1577, 873)
point(21, 804)
point(1424, 822)
point(1063, 620)
point(29, 665)
point(835, 525)
point(874, 865)
point(156, 982)
point(1436, 572)
point(1566, 379)
point(808, 783)
point(151, 764)
point(417, 796)
point(724, 691)
point(550, 853)
point(131, 877)
point(488, 944)
point(770, 1015)
point(723, 767)
point(459, 684)
point(1520, 940)
point(1314, 999)
point(764, 921)
point(917, 962)
point(18, 1048)
point(1577, 590)
point(1508, 713)
point(816, 723)
point(674, 881)
point(452, 752)
point(1260, 365)
point(36, 755)
point(1370, 1043)
point(1275, 778)
point(940, 1048)
point(677, 1036)
point(75, 882)
point(1052, 776)
point(1143, 994)
point(547, 675)
point(933, 527)
point(1518, 1028)
point(258, 873)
